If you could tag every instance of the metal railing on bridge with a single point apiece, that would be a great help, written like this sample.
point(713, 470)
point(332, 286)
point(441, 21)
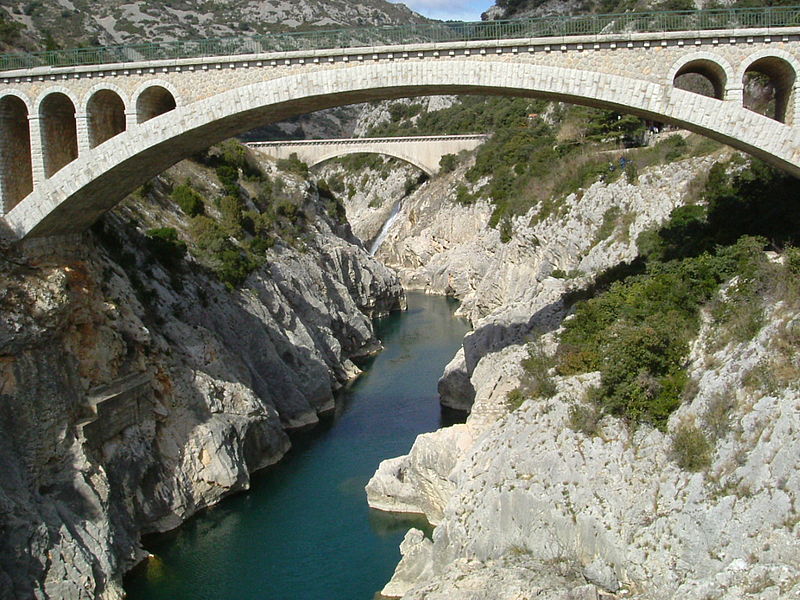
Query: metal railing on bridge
point(356, 37)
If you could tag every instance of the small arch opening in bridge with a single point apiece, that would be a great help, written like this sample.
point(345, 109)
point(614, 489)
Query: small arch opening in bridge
point(769, 87)
point(16, 170)
point(703, 77)
point(59, 132)
point(106, 116)
point(154, 101)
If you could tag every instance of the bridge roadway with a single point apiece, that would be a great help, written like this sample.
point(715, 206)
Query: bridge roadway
point(424, 152)
point(75, 140)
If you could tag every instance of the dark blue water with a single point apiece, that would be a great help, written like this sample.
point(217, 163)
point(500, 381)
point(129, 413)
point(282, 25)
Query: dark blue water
point(304, 530)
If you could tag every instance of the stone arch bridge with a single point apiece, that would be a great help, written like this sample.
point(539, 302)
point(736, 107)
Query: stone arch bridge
point(424, 152)
point(74, 140)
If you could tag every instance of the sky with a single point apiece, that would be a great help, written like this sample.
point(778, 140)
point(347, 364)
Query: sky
point(458, 10)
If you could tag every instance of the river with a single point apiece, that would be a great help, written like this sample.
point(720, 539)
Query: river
point(304, 530)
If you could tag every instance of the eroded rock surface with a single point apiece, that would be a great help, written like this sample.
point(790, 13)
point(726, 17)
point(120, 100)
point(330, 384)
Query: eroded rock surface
point(135, 394)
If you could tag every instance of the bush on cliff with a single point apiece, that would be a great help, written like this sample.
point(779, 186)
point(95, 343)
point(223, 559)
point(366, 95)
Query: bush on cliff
point(637, 330)
point(189, 200)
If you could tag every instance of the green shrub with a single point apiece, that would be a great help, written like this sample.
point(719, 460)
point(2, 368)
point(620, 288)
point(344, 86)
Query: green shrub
point(676, 147)
point(448, 162)
point(514, 399)
point(537, 381)
point(610, 221)
point(293, 165)
point(690, 448)
point(9, 30)
point(229, 178)
point(506, 230)
point(463, 196)
point(231, 209)
point(189, 200)
point(631, 172)
point(234, 267)
point(585, 418)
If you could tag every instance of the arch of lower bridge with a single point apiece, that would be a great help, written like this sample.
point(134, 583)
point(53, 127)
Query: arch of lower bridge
point(339, 152)
point(81, 191)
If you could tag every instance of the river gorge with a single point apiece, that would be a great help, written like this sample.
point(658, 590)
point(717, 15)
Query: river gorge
point(304, 529)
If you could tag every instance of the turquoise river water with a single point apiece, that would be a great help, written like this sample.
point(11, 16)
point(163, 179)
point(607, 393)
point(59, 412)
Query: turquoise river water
point(304, 530)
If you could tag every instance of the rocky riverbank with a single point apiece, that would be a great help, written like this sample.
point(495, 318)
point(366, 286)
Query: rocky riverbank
point(138, 388)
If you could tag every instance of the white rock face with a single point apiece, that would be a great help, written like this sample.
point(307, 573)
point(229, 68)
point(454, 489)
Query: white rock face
point(442, 247)
point(371, 195)
point(225, 372)
point(536, 509)
point(617, 507)
point(508, 289)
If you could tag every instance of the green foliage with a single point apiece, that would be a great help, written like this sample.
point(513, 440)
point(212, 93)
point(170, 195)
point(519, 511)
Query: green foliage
point(333, 205)
point(690, 448)
point(231, 209)
point(525, 161)
point(631, 173)
point(610, 221)
point(637, 334)
point(636, 330)
point(293, 165)
point(448, 163)
point(230, 263)
point(463, 196)
point(166, 246)
point(229, 178)
point(190, 201)
point(585, 418)
point(537, 381)
point(410, 185)
point(361, 161)
point(607, 125)
point(506, 229)
point(400, 110)
point(235, 155)
point(234, 266)
point(515, 399)
point(9, 29)
point(676, 147)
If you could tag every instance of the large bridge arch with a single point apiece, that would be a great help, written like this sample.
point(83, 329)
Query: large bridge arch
point(73, 198)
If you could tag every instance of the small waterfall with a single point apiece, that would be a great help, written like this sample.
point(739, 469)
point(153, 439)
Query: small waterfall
point(385, 229)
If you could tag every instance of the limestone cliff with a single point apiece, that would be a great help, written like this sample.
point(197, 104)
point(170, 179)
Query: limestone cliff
point(536, 506)
point(443, 247)
point(137, 389)
point(525, 503)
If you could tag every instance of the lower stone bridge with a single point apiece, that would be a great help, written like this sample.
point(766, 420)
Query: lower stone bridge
point(424, 152)
point(75, 140)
